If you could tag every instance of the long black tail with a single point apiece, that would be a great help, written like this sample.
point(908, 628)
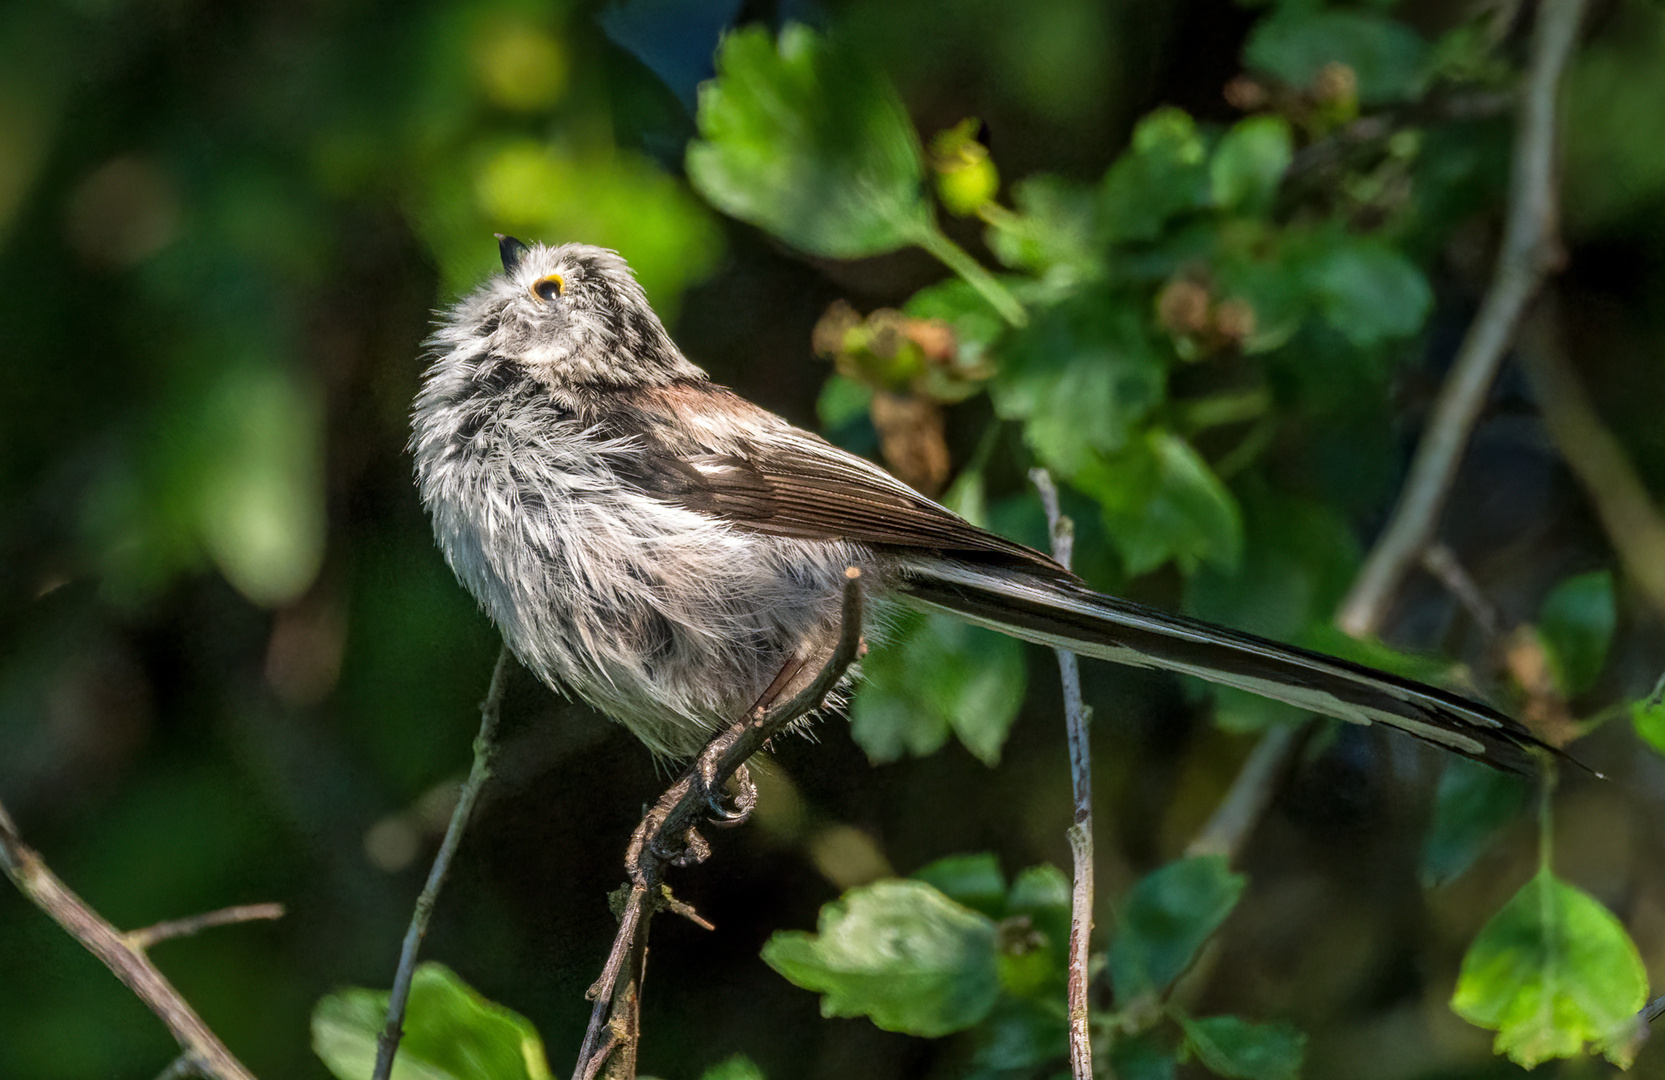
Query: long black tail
point(1065, 614)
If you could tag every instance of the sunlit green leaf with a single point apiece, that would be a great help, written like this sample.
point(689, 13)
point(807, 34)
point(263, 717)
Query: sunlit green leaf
point(1161, 501)
point(805, 140)
point(1166, 919)
point(938, 675)
point(1551, 971)
point(1232, 1047)
point(899, 953)
point(1295, 43)
point(451, 1033)
point(1081, 375)
point(1056, 230)
point(1473, 803)
point(1249, 163)
point(1039, 888)
point(1648, 717)
point(1576, 624)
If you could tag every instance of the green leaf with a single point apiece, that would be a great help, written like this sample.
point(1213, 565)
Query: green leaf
point(451, 1033)
point(1056, 230)
point(1387, 57)
point(1161, 501)
point(1166, 919)
point(972, 880)
point(1575, 624)
point(1019, 1037)
point(1163, 174)
point(1549, 972)
point(1040, 888)
point(260, 498)
point(738, 1067)
point(1231, 1046)
point(1299, 556)
point(898, 952)
point(1648, 717)
point(1366, 290)
point(1473, 803)
point(805, 140)
point(843, 401)
point(1082, 375)
point(1141, 1057)
point(1249, 163)
point(939, 675)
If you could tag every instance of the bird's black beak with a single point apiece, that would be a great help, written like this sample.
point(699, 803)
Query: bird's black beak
point(512, 251)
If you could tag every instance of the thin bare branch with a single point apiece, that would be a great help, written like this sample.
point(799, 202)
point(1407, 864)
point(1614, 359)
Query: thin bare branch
point(614, 1022)
point(1076, 716)
point(1438, 559)
point(485, 743)
point(1628, 514)
point(144, 938)
point(1530, 251)
point(29, 872)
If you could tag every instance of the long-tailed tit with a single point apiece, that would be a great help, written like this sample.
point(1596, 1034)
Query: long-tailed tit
point(675, 554)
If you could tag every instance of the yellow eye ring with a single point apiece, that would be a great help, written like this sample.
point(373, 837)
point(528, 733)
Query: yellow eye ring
point(549, 286)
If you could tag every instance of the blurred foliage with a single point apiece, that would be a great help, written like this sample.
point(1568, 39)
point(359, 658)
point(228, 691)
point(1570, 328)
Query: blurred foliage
point(1206, 263)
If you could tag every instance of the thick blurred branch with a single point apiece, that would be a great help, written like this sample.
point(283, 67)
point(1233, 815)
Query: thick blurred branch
point(1251, 792)
point(666, 836)
point(124, 954)
point(1530, 251)
point(1081, 785)
point(1628, 514)
point(485, 743)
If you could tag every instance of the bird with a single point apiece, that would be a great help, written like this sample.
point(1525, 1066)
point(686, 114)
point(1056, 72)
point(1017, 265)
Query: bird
point(675, 555)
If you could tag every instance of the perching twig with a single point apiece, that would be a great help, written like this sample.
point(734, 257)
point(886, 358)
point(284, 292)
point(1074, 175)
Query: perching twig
point(387, 1043)
point(614, 1022)
point(121, 953)
point(1530, 250)
point(1629, 516)
point(1076, 715)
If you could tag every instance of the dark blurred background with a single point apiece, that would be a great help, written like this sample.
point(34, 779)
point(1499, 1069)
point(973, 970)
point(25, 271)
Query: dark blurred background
point(234, 668)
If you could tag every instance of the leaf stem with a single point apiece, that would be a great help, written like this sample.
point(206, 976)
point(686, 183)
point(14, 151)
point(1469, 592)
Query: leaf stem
point(957, 259)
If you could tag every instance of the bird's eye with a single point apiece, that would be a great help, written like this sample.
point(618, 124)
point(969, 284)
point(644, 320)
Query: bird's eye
point(549, 287)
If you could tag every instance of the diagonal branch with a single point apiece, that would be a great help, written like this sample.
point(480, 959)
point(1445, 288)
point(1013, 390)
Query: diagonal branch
point(1530, 251)
point(1629, 516)
point(123, 954)
point(614, 1022)
point(485, 744)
